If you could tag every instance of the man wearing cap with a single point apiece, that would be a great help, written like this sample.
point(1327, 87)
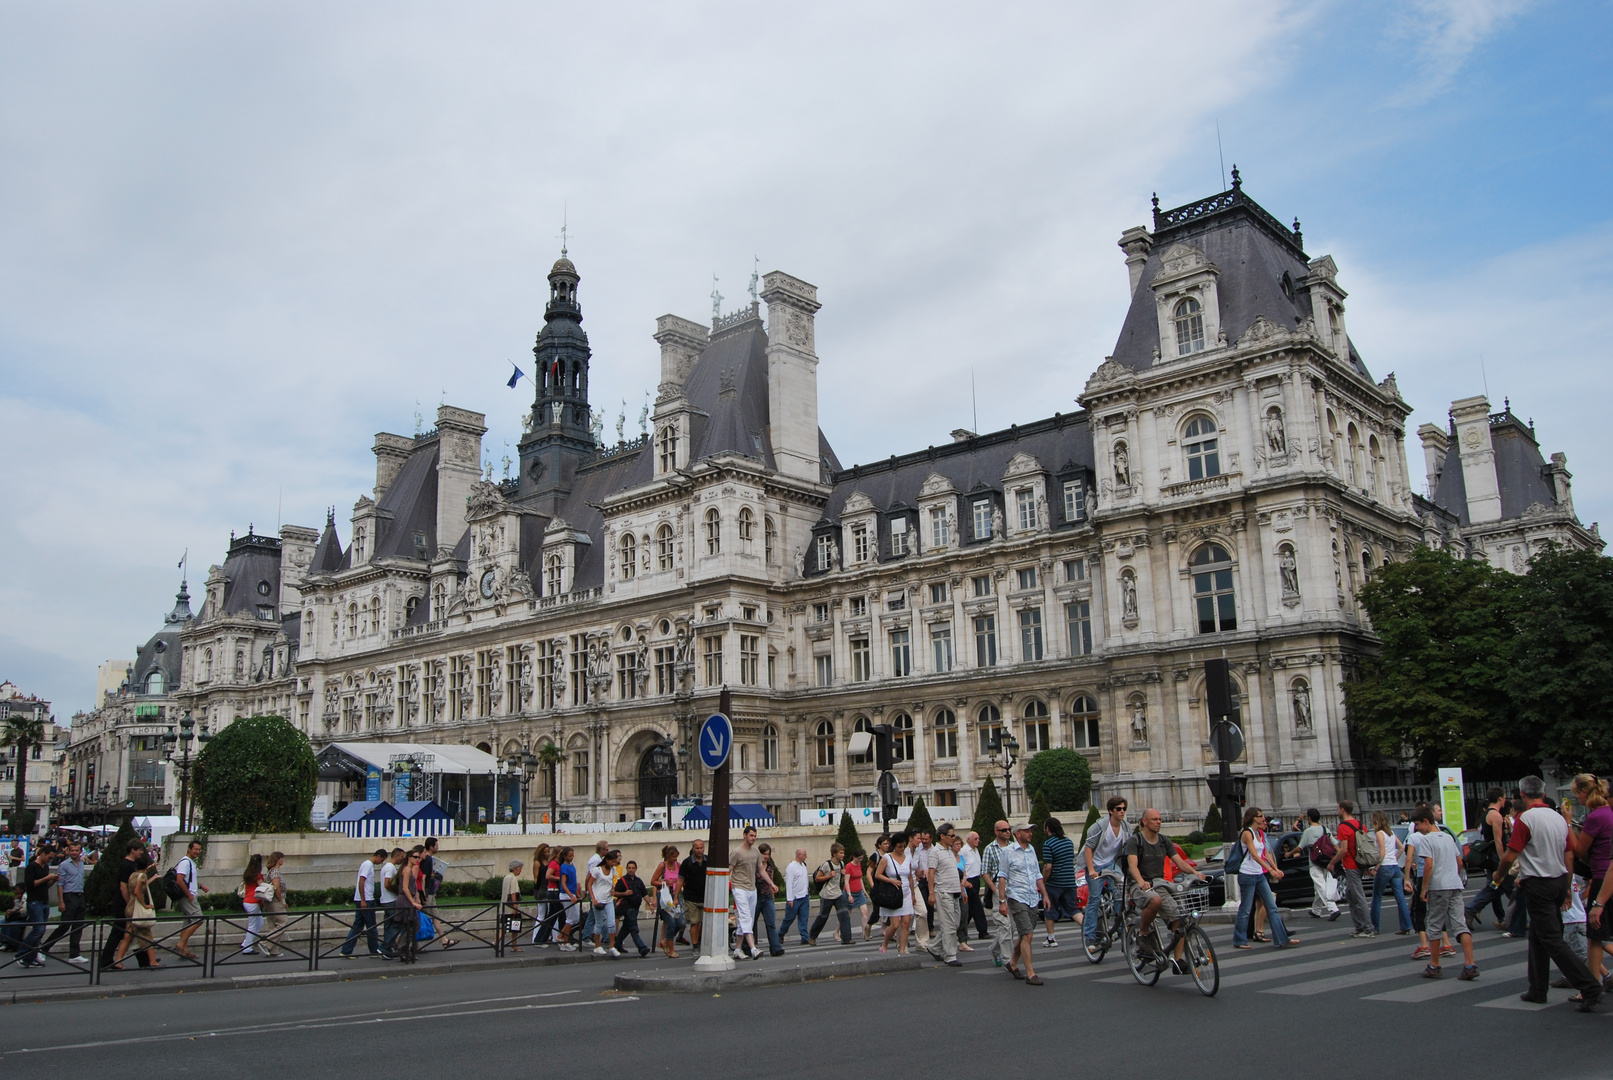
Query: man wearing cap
point(1019, 889)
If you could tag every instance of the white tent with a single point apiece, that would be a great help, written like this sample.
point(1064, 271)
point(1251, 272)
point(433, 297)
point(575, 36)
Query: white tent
point(447, 758)
point(157, 827)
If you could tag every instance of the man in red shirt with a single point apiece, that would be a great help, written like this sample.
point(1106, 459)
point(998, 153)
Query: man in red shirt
point(1360, 914)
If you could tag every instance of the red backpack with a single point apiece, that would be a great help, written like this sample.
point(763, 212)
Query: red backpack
point(1322, 851)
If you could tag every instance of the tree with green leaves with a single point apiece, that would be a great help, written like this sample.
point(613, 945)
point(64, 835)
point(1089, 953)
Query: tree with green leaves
point(1092, 816)
point(1212, 822)
point(1438, 688)
point(988, 811)
point(1063, 775)
point(24, 728)
point(1039, 816)
point(257, 775)
point(919, 819)
point(549, 758)
point(1563, 665)
point(847, 837)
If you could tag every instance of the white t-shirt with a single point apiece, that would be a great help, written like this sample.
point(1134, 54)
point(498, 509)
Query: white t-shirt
point(970, 859)
point(389, 874)
point(1576, 907)
point(600, 883)
point(186, 868)
point(364, 889)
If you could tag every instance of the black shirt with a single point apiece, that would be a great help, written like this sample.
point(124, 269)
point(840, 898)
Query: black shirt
point(635, 892)
point(1150, 857)
point(37, 893)
point(694, 879)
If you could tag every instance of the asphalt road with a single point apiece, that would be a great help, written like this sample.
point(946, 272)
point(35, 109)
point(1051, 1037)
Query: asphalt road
point(1331, 998)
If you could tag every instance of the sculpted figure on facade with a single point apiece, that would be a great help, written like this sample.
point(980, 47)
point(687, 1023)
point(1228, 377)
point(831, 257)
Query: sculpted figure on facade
point(1276, 439)
point(996, 522)
point(1304, 722)
point(1139, 721)
point(1288, 565)
point(1128, 596)
point(1122, 460)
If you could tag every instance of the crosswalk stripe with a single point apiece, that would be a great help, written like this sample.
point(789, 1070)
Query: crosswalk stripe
point(1555, 997)
point(1429, 989)
point(1362, 978)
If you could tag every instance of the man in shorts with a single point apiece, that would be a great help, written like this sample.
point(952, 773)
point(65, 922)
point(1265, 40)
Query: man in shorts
point(1019, 888)
point(1146, 854)
point(190, 905)
point(692, 872)
point(1441, 890)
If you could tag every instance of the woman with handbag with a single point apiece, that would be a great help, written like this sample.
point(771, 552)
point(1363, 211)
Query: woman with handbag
point(893, 892)
point(1256, 864)
point(272, 901)
point(668, 888)
point(251, 878)
point(142, 917)
point(411, 923)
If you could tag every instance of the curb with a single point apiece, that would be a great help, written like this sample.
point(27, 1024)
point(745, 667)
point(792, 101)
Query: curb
point(288, 978)
point(703, 982)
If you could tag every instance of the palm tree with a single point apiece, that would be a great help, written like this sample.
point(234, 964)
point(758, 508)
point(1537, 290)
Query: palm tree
point(24, 730)
point(549, 758)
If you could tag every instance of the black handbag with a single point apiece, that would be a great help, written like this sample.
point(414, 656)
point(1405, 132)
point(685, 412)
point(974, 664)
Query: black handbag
point(886, 895)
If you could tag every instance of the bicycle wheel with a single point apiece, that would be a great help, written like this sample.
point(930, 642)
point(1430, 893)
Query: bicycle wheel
point(1201, 955)
point(1144, 971)
point(1097, 949)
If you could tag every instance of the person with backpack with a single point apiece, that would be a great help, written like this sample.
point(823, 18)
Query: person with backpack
point(830, 877)
point(1251, 861)
point(432, 867)
point(1497, 831)
point(182, 886)
point(1357, 851)
point(1318, 847)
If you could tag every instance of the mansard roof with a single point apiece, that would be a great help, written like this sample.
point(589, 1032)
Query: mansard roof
point(1252, 253)
point(408, 506)
point(328, 552)
point(251, 559)
point(1520, 472)
point(975, 464)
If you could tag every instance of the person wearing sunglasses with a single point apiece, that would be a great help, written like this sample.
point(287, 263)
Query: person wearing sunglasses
point(1105, 842)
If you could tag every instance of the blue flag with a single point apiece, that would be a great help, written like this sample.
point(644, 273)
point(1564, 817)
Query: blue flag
point(516, 377)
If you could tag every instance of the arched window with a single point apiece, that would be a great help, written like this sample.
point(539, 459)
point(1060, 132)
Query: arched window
point(823, 742)
point(554, 576)
point(747, 530)
point(902, 737)
point(207, 663)
point(629, 556)
point(946, 733)
point(375, 614)
point(1037, 734)
point(1212, 589)
point(1352, 451)
point(439, 601)
point(1366, 565)
point(989, 720)
point(352, 620)
point(769, 748)
point(156, 683)
point(1189, 327)
point(1203, 448)
point(1084, 722)
point(664, 547)
point(409, 606)
point(862, 723)
point(769, 540)
point(713, 532)
point(669, 448)
point(1374, 464)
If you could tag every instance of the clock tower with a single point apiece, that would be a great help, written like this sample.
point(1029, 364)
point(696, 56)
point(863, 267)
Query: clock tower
point(560, 434)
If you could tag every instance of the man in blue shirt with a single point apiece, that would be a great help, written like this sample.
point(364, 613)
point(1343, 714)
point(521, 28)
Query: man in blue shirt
point(70, 902)
point(1058, 870)
point(1019, 888)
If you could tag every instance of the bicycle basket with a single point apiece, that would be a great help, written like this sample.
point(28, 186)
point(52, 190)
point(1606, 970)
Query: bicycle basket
point(1193, 901)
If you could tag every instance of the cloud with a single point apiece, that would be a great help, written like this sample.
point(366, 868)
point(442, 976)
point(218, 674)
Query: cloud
point(1444, 34)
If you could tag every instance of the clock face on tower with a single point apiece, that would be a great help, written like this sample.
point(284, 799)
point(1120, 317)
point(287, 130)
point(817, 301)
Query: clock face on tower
point(489, 579)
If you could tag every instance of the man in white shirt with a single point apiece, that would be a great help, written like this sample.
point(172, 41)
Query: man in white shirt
point(190, 905)
point(946, 889)
point(594, 860)
point(969, 864)
point(1324, 903)
point(797, 895)
point(390, 901)
point(1105, 842)
point(1537, 846)
point(365, 894)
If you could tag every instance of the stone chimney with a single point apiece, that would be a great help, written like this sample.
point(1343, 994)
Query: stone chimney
point(1435, 446)
point(792, 375)
point(682, 342)
point(391, 451)
point(1558, 472)
point(459, 466)
point(1136, 242)
point(297, 543)
point(1472, 419)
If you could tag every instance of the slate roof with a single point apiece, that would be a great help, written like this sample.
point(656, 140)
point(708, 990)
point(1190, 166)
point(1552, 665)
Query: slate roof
point(409, 506)
point(161, 651)
point(1252, 253)
point(1520, 472)
point(251, 560)
point(328, 552)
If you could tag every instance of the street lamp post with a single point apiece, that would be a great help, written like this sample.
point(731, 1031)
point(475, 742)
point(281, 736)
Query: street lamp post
point(523, 762)
point(1006, 748)
point(182, 740)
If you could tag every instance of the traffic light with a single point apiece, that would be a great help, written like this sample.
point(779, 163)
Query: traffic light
point(1239, 788)
point(884, 749)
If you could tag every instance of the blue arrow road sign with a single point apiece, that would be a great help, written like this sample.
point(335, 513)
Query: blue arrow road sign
point(716, 740)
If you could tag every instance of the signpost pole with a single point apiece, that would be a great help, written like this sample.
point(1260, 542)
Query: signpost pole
point(714, 934)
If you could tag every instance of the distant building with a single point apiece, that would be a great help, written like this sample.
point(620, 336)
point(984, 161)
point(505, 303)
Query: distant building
point(40, 772)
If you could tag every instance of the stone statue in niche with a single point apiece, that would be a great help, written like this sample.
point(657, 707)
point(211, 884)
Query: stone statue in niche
point(1276, 440)
point(1122, 466)
point(1290, 572)
point(1304, 722)
point(800, 563)
point(1139, 721)
point(834, 555)
point(997, 526)
point(1128, 596)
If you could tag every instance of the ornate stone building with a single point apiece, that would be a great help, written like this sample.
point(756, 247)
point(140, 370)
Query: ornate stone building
point(1231, 477)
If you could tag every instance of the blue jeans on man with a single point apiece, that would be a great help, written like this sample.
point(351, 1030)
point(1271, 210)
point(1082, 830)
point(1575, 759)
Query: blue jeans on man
point(363, 922)
point(796, 911)
point(38, 917)
point(394, 925)
point(1096, 888)
point(765, 911)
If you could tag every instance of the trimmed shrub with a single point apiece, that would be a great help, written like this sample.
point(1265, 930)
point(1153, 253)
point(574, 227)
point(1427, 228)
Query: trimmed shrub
point(1063, 775)
point(988, 811)
point(1039, 814)
point(1212, 821)
point(919, 819)
point(847, 837)
point(257, 775)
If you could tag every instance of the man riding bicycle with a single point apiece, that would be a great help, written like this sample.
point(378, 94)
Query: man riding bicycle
point(1104, 846)
point(1146, 854)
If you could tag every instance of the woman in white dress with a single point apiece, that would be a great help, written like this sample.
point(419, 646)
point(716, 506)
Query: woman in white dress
point(896, 868)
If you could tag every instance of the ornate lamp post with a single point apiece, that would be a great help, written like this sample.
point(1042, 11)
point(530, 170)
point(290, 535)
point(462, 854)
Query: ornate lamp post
point(1006, 748)
point(182, 740)
point(523, 763)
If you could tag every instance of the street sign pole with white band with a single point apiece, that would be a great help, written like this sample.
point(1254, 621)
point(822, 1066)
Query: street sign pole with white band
point(716, 744)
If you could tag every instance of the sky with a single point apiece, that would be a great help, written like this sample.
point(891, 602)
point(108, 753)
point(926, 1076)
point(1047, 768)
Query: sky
point(238, 240)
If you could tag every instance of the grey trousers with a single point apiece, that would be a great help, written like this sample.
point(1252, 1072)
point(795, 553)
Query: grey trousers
point(1360, 914)
point(1002, 936)
point(944, 921)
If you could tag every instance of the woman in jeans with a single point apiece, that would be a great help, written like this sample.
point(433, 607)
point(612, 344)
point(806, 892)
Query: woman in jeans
point(540, 894)
point(1389, 875)
point(670, 914)
point(1253, 883)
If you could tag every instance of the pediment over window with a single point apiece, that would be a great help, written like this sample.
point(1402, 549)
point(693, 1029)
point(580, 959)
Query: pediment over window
point(858, 503)
point(1180, 260)
point(1021, 464)
point(934, 485)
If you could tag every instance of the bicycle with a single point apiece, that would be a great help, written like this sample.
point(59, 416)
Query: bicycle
point(1197, 952)
point(1111, 916)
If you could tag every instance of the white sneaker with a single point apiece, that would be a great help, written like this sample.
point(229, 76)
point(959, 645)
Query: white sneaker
point(78, 959)
point(568, 948)
point(599, 951)
point(614, 951)
point(1051, 942)
point(738, 955)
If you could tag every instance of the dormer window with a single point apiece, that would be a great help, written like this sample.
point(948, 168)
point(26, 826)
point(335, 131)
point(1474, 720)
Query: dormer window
point(554, 576)
point(859, 544)
point(1189, 327)
point(664, 547)
point(1203, 453)
point(629, 556)
point(899, 536)
point(669, 448)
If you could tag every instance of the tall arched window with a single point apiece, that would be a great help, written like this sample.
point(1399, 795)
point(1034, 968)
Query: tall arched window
point(1189, 327)
point(902, 737)
point(713, 532)
point(1374, 464)
point(769, 748)
point(946, 733)
point(862, 723)
point(375, 614)
point(664, 547)
point(1084, 722)
point(769, 541)
point(747, 530)
point(1037, 733)
point(439, 601)
point(352, 620)
point(1203, 448)
point(669, 448)
point(1212, 589)
point(1352, 438)
point(553, 576)
point(629, 556)
point(823, 742)
point(989, 720)
point(156, 683)
point(207, 663)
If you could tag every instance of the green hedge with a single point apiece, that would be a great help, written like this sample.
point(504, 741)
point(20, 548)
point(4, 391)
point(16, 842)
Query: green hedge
point(343, 895)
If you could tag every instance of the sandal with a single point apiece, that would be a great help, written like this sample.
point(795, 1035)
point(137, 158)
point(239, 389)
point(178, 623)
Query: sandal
point(1244, 946)
point(1262, 938)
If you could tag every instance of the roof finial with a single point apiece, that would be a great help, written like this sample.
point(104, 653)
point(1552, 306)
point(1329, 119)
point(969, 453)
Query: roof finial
point(565, 215)
point(1156, 202)
point(716, 299)
point(755, 276)
point(1237, 183)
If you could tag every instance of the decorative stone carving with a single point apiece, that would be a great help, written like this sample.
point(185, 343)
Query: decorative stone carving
point(1288, 567)
point(1276, 438)
point(1304, 721)
point(1139, 721)
point(1128, 598)
point(1122, 463)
